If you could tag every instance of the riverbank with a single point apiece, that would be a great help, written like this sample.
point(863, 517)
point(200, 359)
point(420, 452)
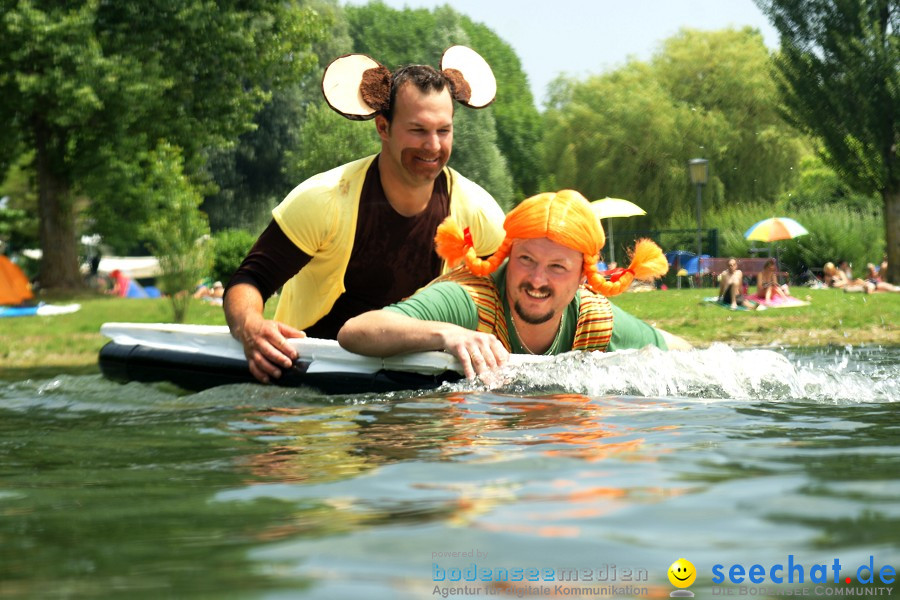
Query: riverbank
point(39, 347)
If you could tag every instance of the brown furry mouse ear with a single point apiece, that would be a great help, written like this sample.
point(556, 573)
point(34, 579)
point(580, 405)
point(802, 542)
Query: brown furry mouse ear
point(356, 86)
point(471, 77)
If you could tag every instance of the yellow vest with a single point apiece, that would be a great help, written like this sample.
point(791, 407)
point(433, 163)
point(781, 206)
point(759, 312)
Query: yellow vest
point(592, 331)
point(319, 217)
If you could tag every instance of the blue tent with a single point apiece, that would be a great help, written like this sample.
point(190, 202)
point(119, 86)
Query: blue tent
point(682, 259)
point(152, 291)
point(692, 265)
point(135, 290)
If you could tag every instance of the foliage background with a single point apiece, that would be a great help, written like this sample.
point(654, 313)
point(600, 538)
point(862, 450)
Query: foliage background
point(238, 94)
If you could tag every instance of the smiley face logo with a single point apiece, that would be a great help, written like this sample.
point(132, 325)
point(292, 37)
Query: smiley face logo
point(682, 573)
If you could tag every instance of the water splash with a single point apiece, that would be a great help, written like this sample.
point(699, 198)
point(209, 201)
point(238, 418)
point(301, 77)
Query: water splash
point(717, 372)
point(838, 374)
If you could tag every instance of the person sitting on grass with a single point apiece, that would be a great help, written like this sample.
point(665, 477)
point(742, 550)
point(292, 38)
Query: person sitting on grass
point(731, 287)
point(767, 286)
point(837, 278)
point(539, 293)
point(212, 294)
point(873, 278)
point(121, 283)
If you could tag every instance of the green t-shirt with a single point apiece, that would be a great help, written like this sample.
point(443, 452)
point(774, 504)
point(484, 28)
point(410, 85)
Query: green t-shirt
point(448, 302)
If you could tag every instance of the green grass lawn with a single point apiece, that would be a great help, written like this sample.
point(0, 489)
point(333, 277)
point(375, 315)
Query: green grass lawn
point(37, 347)
point(832, 317)
point(47, 346)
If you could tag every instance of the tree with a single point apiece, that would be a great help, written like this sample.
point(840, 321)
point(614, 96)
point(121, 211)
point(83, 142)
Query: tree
point(818, 186)
point(90, 86)
point(838, 78)
point(479, 158)
point(329, 140)
point(255, 174)
point(230, 247)
point(724, 76)
point(518, 121)
point(620, 135)
point(252, 176)
point(177, 233)
point(630, 132)
point(18, 222)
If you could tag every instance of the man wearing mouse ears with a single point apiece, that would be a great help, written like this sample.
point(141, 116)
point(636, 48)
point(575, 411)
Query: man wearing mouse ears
point(360, 237)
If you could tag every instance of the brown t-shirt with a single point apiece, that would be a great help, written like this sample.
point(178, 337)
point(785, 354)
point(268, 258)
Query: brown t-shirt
point(392, 256)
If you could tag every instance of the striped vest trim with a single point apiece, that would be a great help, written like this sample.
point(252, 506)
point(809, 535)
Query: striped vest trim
point(487, 300)
point(595, 322)
point(592, 331)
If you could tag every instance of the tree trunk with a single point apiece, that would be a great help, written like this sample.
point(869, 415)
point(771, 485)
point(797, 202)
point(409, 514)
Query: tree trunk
point(892, 233)
point(56, 211)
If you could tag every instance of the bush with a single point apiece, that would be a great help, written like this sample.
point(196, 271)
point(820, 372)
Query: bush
point(177, 231)
point(731, 221)
point(835, 233)
point(230, 246)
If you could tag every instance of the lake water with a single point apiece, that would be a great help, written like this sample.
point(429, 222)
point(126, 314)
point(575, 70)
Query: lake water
point(616, 465)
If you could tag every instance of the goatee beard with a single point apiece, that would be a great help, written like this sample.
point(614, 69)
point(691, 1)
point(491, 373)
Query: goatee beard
point(530, 319)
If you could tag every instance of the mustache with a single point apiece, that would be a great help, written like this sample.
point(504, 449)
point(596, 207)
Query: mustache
point(439, 154)
point(527, 287)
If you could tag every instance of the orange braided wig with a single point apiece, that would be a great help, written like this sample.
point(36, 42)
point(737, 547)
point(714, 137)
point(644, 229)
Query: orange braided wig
point(564, 217)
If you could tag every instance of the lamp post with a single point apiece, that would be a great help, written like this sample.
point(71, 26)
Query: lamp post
point(699, 168)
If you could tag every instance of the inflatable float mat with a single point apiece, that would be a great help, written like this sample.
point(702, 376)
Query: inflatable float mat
point(198, 357)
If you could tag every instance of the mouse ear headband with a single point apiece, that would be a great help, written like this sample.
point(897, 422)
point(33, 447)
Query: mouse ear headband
point(359, 87)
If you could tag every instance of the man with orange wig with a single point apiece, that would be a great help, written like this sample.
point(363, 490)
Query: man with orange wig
point(539, 293)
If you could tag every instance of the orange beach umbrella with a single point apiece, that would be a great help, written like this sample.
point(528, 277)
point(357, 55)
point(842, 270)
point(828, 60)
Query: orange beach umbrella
point(775, 228)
